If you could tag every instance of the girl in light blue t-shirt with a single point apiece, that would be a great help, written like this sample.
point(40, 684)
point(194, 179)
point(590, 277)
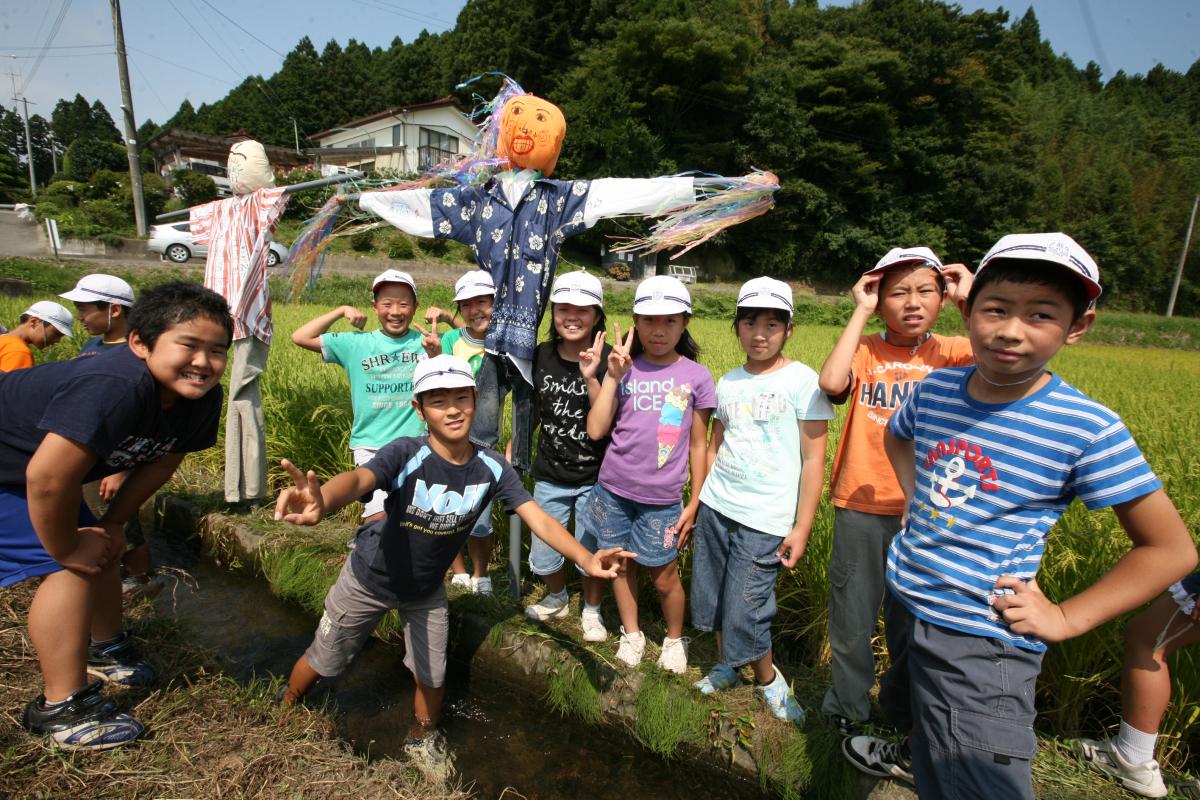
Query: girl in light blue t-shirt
point(757, 504)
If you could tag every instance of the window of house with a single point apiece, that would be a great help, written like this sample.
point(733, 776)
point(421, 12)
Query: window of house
point(435, 147)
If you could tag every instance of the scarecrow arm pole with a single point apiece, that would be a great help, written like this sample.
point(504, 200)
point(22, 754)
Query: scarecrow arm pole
point(296, 187)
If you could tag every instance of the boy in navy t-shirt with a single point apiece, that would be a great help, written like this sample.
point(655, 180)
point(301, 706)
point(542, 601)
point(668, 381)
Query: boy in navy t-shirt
point(437, 486)
point(136, 409)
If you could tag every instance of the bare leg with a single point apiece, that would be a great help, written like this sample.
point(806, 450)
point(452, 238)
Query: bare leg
point(593, 590)
point(459, 567)
point(555, 581)
point(427, 710)
point(624, 588)
point(671, 594)
point(1146, 680)
point(374, 517)
point(60, 619)
point(302, 679)
point(106, 604)
point(764, 670)
point(480, 548)
point(137, 561)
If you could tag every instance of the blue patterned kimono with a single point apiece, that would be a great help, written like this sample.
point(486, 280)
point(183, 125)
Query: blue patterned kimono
point(518, 247)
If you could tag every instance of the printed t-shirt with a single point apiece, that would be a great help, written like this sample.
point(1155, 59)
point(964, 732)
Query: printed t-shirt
point(380, 369)
point(96, 345)
point(992, 479)
point(110, 404)
point(432, 505)
point(566, 455)
point(647, 459)
point(459, 342)
point(756, 478)
point(14, 353)
point(882, 376)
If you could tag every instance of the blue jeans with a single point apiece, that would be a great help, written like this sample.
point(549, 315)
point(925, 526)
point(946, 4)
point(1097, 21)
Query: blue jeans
point(648, 530)
point(496, 378)
point(558, 501)
point(733, 585)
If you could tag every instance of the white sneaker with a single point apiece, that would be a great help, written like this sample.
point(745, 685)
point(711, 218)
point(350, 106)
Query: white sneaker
point(481, 585)
point(633, 647)
point(461, 580)
point(593, 627)
point(673, 657)
point(552, 606)
point(1103, 756)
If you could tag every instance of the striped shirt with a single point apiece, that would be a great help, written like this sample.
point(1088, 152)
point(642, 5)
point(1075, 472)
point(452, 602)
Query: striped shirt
point(238, 231)
point(991, 482)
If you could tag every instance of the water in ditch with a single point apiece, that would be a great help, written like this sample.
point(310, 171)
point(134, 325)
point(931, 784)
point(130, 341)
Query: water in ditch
point(506, 742)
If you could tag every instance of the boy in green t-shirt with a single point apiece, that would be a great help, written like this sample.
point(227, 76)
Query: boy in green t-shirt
point(379, 365)
point(474, 293)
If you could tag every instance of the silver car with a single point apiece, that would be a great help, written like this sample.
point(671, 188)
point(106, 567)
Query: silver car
point(173, 241)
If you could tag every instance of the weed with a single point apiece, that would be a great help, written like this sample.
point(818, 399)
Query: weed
point(667, 716)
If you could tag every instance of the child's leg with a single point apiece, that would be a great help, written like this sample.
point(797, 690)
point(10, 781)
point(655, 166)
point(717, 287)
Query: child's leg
point(1146, 678)
point(480, 548)
point(459, 566)
point(426, 635)
point(373, 509)
point(625, 593)
point(710, 557)
point(749, 586)
point(612, 518)
point(671, 596)
point(544, 561)
point(300, 682)
point(60, 621)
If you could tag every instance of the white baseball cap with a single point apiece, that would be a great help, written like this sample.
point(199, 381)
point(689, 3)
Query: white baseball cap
point(475, 283)
point(578, 289)
point(1057, 248)
point(394, 276)
point(52, 312)
point(100, 288)
point(899, 256)
point(442, 372)
point(765, 293)
point(662, 294)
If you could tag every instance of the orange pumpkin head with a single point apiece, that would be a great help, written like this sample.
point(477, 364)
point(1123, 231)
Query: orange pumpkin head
point(531, 133)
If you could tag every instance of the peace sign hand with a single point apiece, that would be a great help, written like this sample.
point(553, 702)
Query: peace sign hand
point(589, 359)
point(619, 360)
point(432, 342)
point(301, 504)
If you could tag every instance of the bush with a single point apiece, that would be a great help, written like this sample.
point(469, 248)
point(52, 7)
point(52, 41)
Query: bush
point(64, 194)
point(155, 193)
point(104, 185)
point(362, 242)
point(194, 188)
point(85, 156)
point(107, 215)
point(401, 247)
point(619, 271)
point(302, 205)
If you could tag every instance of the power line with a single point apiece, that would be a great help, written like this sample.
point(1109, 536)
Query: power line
point(403, 13)
point(146, 81)
point(200, 36)
point(243, 30)
point(178, 66)
point(56, 47)
point(54, 28)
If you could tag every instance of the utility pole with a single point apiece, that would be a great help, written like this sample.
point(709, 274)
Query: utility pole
point(29, 147)
point(296, 134)
point(131, 144)
point(1187, 240)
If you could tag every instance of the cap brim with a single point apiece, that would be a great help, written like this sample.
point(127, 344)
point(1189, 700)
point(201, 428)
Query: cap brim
point(468, 294)
point(575, 297)
point(66, 332)
point(652, 308)
point(907, 262)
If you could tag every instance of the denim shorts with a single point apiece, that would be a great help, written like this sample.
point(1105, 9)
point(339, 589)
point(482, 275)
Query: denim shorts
point(558, 500)
point(733, 585)
point(642, 528)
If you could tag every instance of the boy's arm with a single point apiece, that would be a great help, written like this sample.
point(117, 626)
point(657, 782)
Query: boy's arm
point(139, 484)
point(835, 376)
point(307, 501)
point(53, 481)
point(814, 435)
point(1162, 553)
point(602, 564)
point(308, 335)
point(698, 464)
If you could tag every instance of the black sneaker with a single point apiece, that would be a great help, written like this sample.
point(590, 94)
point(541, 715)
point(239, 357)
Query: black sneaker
point(119, 662)
point(879, 757)
point(87, 720)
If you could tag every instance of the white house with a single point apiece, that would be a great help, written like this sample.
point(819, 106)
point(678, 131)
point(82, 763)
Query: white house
point(406, 139)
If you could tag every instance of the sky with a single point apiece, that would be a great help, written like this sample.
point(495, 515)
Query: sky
point(195, 50)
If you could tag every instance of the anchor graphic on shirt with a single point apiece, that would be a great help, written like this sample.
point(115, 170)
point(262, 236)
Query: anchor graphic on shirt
point(939, 494)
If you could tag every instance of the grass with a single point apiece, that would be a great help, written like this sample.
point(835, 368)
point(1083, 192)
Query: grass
point(573, 692)
point(667, 716)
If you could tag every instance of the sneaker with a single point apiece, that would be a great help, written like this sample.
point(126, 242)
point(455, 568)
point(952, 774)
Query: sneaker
point(593, 627)
point(719, 678)
point(481, 585)
point(781, 701)
point(118, 661)
point(552, 606)
point(86, 720)
point(673, 657)
point(137, 587)
point(431, 757)
point(879, 757)
point(632, 647)
point(1103, 756)
point(461, 580)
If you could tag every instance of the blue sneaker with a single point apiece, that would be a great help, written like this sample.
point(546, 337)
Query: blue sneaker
point(86, 720)
point(781, 701)
point(118, 661)
point(719, 678)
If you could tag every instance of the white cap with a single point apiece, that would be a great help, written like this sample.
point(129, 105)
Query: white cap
point(52, 312)
point(1057, 248)
point(100, 288)
point(765, 293)
point(442, 372)
point(394, 276)
point(578, 289)
point(898, 256)
point(662, 294)
point(475, 283)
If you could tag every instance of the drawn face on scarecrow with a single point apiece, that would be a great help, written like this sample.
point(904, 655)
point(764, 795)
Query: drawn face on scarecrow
point(531, 133)
point(248, 167)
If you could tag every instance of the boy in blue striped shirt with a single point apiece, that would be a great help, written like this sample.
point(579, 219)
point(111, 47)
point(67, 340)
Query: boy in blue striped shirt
point(989, 456)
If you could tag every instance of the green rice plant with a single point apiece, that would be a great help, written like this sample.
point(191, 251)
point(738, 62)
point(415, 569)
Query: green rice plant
point(573, 692)
point(667, 714)
point(791, 761)
point(300, 575)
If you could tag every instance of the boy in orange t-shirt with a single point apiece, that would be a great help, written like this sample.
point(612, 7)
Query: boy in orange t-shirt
point(907, 289)
point(42, 325)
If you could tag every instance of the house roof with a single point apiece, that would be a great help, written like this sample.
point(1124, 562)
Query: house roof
point(216, 148)
point(448, 100)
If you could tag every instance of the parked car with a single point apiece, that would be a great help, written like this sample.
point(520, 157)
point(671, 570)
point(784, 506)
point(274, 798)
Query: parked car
point(173, 241)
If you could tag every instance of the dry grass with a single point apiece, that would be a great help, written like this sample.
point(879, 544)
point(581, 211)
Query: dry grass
point(208, 736)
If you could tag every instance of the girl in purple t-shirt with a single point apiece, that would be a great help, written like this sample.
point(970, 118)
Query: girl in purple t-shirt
point(655, 403)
